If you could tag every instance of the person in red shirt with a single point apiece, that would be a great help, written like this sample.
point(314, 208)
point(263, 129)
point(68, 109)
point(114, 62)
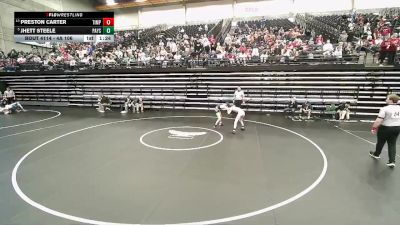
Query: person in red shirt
point(386, 30)
point(243, 48)
point(394, 43)
point(385, 45)
point(212, 39)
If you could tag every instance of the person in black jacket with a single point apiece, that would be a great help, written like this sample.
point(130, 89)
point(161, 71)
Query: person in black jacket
point(104, 103)
point(128, 104)
point(293, 105)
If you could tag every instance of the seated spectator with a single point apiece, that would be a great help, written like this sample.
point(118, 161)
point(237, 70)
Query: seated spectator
point(319, 40)
point(292, 107)
point(21, 59)
point(344, 111)
point(264, 56)
point(255, 53)
point(331, 110)
point(327, 48)
point(12, 108)
point(343, 37)
point(139, 105)
point(104, 103)
point(128, 104)
point(72, 64)
point(242, 58)
point(306, 108)
point(177, 57)
point(338, 52)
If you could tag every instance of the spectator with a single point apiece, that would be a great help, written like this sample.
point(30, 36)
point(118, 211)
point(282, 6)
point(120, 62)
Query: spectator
point(344, 111)
point(104, 103)
point(128, 104)
point(384, 50)
point(292, 106)
point(139, 105)
point(327, 48)
point(306, 108)
point(264, 56)
point(319, 40)
point(338, 52)
point(343, 36)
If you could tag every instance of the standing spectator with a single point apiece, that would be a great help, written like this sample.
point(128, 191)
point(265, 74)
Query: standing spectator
point(391, 51)
point(238, 97)
point(9, 95)
point(385, 46)
point(386, 30)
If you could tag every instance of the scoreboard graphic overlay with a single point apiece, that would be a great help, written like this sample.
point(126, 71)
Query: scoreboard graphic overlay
point(42, 27)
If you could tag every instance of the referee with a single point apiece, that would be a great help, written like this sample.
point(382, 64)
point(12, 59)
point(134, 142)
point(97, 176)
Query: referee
point(238, 97)
point(9, 95)
point(387, 127)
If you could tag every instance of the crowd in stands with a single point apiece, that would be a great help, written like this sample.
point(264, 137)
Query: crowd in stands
point(378, 35)
point(257, 41)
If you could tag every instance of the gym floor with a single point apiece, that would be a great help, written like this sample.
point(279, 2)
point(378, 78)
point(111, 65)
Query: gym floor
point(64, 166)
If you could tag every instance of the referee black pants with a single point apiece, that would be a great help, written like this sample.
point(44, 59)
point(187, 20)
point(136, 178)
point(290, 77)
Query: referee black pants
point(238, 103)
point(389, 135)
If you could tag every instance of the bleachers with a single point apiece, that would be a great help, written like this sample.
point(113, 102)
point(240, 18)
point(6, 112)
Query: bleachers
point(266, 91)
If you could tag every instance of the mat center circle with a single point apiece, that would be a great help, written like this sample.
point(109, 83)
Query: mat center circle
point(181, 138)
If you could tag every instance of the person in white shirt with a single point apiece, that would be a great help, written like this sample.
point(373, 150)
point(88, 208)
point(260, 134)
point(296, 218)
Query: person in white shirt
point(338, 52)
point(387, 128)
point(254, 52)
point(139, 105)
point(239, 117)
point(327, 48)
point(238, 97)
point(218, 112)
point(9, 95)
point(264, 57)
